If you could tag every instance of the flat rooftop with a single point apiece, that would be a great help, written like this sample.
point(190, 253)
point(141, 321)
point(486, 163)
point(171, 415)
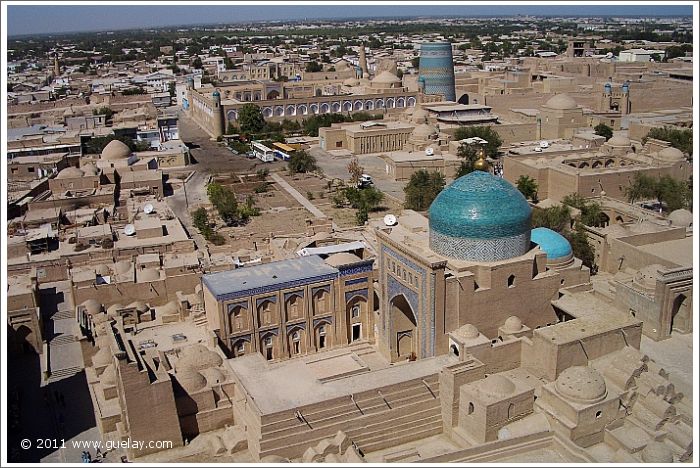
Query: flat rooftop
point(226, 284)
point(678, 251)
point(299, 382)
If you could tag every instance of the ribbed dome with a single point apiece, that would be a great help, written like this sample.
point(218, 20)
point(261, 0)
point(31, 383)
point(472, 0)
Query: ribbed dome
point(582, 384)
point(70, 173)
point(115, 149)
point(682, 218)
point(342, 258)
point(214, 376)
point(619, 140)
point(190, 379)
point(103, 270)
point(496, 385)
point(92, 307)
point(561, 102)
point(122, 266)
point(668, 154)
point(657, 452)
point(90, 170)
point(513, 324)
point(552, 243)
point(112, 310)
point(480, 217)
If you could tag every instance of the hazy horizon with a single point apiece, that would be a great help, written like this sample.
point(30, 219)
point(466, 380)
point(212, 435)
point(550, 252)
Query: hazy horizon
point(64, 19)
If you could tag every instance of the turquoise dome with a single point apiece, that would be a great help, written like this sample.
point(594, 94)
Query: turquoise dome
point(216, 94)
point(552, 243)
point(480, 217)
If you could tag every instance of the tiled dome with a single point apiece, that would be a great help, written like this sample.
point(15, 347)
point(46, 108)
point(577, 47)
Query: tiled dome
point(552, 243)
point(480, 217)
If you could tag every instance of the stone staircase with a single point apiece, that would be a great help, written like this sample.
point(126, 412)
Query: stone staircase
point(63, 314)
point(60, 340)
point(61, 374)
point(399, 414)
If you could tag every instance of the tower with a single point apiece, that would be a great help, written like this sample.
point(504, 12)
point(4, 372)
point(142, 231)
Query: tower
point(56, 66)
point(218, 115)
point(437, 70)
point(363, 61)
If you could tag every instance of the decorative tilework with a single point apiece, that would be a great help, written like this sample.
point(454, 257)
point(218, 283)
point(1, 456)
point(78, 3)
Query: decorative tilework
point(325, 287)
point(242, 305)
point(436, 69)
point(271, 331)
point(326, 320)
point(276, 287)
point(396, 288)
point(295, 326)
point(480, 250)
point(260, 300)
point(355, 281)
point(360, 292)
point(356, 268)
point(299, 293)
point(234, 339)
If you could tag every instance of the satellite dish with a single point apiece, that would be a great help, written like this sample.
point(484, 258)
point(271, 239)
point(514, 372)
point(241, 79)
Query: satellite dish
point(429, 151)
point(129, 230)
point(148, 209)
point(390, 220)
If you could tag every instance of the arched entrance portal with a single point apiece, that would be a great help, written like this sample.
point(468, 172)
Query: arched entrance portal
point(681, 318)
point(405, 328)
point(464, 99)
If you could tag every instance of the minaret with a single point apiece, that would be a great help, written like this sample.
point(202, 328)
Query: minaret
point(363, 61)
point(56, 66)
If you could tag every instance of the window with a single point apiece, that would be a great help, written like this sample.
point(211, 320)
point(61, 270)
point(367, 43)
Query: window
point(598, 414)
point(470, 410)
point(296, 338)
point(30, 169)
point(355, 311)
point(239, 349)
point(268, 342)
point(511, 281)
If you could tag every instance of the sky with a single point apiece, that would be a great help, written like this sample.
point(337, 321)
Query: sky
point(41, 19)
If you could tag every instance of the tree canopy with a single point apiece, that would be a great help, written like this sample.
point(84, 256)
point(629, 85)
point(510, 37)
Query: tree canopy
point(681, 139)
point(301, 161)
point(527, 186)
point(250, 119)
point(672, 193)
point(422, 189)
point(487, 133)
point(604, 131)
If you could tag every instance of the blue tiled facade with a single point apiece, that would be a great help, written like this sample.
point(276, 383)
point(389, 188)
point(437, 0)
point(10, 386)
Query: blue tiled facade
point(552, 243)
point(436, 69)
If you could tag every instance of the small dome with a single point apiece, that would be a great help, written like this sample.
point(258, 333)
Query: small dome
point(140, 306)
point(581, 384)
point(190, 379)
point(102, 357)
point(424, 131)
point(216, 93)
point(682, 218)
point(496, 385)
point(513, 324)
point(199, 357)
point(214, 376)
point(386, 77)
point(109, 376)
point(92, 307)
point(669, 154)
point(468, 331)
point(646, 276)
point(90, 170)
point(69, 112)
point(169, 308)
point(619, 140)
point(657, 452)
point(436, 150)
point(420, 116)
point(561, 102)
point(122, 266)
point(70, 173)
point(342, 258)
point(552, 243)
point(149, 274)
point(112, 310)
point(480, 217)
point(115, 149)
point(351, 82)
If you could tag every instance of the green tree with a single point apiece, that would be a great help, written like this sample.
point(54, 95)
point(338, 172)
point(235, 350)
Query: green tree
point(313, 67)
point(104, 110)
point(422, 189)
point(557, 218)
point(197, 63)
point(604, 131)
point(250, 119)
point(681, 139)
point(642, 187)
point(301, 161)
point(580, 246)
point(470, 156)
point(224, 200)
point(592, 213)
point(355, 170)
point(528, 187)
point(200, 219)
point(672, 193)
point(484, 132)
point(415, 62)
point(171, 89)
